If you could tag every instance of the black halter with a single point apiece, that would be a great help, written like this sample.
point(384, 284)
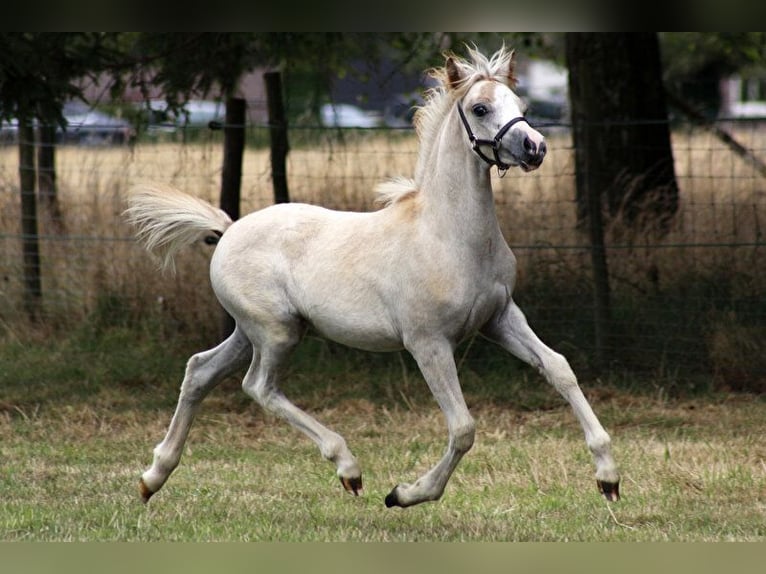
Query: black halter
point(493, 143)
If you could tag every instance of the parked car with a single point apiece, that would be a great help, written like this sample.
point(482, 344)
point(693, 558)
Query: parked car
point(9, 131)
point(348, 116)
point(84, 125)
point(400, 111)
point(194, 113)
point(551, 112)
point(88, 126)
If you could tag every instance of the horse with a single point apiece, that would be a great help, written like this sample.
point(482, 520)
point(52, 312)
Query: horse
point(424, 272)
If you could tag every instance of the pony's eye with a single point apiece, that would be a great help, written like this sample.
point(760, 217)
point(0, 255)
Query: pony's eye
point(480, 110)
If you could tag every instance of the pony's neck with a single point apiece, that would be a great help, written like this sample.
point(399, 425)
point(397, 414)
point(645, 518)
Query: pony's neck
point(455, 185)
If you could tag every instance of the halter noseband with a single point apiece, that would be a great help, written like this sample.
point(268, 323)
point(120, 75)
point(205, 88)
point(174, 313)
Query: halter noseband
point(493, 143)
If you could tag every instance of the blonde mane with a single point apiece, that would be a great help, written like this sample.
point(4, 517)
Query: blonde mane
point(439, 102)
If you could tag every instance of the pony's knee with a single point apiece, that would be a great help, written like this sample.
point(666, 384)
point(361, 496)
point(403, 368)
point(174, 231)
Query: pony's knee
point(560, 373)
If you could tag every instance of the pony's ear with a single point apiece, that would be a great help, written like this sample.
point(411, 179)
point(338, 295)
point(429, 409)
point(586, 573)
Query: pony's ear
point(454, 76)
point(511, 73)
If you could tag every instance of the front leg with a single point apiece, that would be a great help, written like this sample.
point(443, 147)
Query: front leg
point(437, 363)
point(511, 330)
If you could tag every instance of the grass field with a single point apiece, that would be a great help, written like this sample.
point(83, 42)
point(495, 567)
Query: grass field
point(78, 420)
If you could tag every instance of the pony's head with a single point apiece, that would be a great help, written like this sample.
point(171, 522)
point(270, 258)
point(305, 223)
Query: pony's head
point(480, 91)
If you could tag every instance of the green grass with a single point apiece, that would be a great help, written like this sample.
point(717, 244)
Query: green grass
point(79, 418)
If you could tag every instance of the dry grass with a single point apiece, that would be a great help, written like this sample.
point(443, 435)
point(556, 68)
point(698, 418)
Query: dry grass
point(722, 197)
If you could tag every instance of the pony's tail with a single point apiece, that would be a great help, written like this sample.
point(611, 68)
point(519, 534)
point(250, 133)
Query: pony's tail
point(168, 219)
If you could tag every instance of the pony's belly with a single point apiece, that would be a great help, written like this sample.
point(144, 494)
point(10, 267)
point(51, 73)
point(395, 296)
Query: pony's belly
point(360, 333)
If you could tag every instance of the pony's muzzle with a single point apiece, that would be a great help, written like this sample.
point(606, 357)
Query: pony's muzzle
point(532, 150)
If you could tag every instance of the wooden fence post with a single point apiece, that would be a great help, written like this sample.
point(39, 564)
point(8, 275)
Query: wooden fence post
point(231, 177)
point(233, 151)
point(278, 135)
point(30, 240)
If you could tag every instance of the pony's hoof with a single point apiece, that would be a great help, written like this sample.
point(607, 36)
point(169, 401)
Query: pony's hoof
point(352, 485)
point(146, 494)
point(392, 499)
point(610, 490)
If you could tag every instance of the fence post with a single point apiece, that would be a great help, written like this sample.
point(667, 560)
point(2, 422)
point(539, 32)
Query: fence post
point(277, 135)
point(30, 239)
point(233, 151)
point(231, 176)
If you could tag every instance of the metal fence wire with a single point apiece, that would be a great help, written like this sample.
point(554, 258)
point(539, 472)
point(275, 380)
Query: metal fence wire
point(687, 304)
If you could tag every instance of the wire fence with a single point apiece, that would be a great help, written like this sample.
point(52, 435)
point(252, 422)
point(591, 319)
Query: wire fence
point(688, 305)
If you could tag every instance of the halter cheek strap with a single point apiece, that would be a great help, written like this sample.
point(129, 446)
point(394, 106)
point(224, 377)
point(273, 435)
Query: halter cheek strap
point(493, 143)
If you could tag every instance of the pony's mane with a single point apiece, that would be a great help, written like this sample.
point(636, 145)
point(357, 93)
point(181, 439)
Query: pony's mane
point(439, 101)
point(393, 190)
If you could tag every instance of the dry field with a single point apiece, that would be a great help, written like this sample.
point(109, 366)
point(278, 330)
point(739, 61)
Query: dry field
point(723, 202)
point(711, 262)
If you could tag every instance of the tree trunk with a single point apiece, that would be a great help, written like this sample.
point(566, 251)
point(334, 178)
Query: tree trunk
point(620, 128)
point(623, 157)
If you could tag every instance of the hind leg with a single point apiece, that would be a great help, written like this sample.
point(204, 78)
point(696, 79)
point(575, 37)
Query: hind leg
point(203, 372)
point(512, 332)
point(261, 384)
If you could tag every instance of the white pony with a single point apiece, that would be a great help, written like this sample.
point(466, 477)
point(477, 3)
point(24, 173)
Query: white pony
point(423, 273)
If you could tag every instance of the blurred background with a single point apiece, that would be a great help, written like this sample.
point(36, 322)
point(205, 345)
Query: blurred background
point(640, 239)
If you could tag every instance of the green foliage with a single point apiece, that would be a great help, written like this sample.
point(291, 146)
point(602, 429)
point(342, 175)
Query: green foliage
point(694, 62)
point(188, 62)
point(690, 53)
point(39, 71)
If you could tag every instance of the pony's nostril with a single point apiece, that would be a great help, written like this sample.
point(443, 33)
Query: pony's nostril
point(541, 149)
point(529, 145)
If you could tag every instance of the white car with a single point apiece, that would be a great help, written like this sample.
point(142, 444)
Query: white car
point(193, 113)
point(348, 116)
point(84, 125)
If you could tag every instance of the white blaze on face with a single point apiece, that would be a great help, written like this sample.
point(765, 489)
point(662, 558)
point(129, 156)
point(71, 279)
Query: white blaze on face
point(522, 145)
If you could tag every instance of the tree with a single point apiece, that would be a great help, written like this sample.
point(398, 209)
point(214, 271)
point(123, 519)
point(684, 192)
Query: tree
point(39, 72)
point(620, 127)
point(623, 157)
point(695, 62)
